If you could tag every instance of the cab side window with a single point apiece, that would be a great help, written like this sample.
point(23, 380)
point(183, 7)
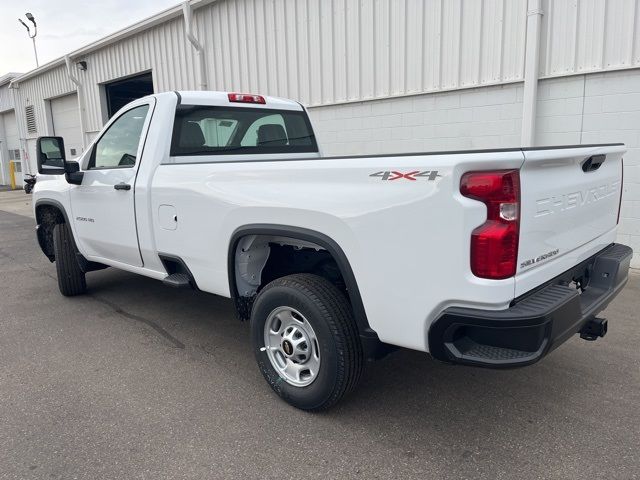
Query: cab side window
point(118, 146)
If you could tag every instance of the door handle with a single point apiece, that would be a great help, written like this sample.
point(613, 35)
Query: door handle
point(122, 186)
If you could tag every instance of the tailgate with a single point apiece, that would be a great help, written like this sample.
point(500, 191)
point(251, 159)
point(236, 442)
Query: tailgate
point(569, 208)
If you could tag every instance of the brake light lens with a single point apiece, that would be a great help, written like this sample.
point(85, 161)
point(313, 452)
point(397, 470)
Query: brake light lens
point(494, 244)
point(246, 98)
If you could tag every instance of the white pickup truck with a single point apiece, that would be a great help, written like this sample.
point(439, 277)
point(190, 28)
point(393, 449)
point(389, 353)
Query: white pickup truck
point(486, 258)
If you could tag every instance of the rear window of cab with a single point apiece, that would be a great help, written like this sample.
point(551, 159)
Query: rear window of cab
point(208, 130)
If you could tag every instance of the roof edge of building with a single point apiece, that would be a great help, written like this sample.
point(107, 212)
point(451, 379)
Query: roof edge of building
point(145, 24)
point(7, 77)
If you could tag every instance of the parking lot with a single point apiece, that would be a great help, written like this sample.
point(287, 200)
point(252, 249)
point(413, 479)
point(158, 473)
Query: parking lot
point(136, 380)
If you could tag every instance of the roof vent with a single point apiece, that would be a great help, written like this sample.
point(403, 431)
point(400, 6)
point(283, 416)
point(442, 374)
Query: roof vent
point(31, 119)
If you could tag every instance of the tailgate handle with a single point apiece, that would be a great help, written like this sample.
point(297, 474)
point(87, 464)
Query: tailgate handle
point(593, 163)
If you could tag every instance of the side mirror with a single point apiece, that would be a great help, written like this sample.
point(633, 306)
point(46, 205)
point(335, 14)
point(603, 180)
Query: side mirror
point(51, 158)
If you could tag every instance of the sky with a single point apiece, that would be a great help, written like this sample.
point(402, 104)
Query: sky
point(64, 26)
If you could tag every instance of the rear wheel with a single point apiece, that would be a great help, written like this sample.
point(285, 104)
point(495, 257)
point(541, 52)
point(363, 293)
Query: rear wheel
point(71, 279)
point(306, 341)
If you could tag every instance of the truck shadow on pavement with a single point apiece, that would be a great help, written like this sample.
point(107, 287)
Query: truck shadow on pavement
point(405, 380)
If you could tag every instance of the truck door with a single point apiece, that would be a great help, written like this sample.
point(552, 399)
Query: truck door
point(103, 206)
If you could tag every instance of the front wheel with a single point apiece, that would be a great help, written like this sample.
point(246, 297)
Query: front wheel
point(306, 341)
point(71, 278)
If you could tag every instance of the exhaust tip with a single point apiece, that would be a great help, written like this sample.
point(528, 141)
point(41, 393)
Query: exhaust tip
point(597, 327)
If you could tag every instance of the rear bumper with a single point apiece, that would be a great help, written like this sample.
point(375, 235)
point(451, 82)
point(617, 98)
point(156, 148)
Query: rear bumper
point(535, 323)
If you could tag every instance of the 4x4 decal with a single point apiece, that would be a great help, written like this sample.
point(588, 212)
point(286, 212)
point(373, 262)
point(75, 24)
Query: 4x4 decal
point(430, 175)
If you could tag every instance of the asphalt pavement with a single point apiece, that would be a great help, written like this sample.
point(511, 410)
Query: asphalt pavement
point(136, 380)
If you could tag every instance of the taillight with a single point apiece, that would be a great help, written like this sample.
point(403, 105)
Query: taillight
point(494, 244)
point(621, 190)
point(246, 98)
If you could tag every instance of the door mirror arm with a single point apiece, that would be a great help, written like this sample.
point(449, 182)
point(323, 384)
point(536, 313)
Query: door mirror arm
point(72, 173)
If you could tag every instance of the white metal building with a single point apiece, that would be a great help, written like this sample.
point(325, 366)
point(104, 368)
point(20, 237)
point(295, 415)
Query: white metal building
point(377, 75)
point(9, 136)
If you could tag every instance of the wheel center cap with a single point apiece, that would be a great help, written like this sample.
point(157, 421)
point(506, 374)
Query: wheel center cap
point(287, 347)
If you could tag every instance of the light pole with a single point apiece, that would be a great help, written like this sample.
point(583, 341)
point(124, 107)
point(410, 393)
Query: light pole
point(35, 32)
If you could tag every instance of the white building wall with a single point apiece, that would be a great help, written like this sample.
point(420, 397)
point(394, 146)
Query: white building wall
point(488, 117)
point(387, 76)
point(36, 91)
point(324, 52)
point(317, 51)
point(6, 98)
point(6, 106)
point(327, 51)
point(581, 36)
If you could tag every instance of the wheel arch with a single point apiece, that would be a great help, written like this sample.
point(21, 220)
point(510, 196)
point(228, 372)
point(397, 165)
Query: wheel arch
point(45, 223)
point(312, 236)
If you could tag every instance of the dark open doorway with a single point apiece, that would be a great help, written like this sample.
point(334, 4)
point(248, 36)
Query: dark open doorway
point(121, 92)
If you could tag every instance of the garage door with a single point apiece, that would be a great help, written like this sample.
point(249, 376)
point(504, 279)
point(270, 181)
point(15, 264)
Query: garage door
point(66, 123)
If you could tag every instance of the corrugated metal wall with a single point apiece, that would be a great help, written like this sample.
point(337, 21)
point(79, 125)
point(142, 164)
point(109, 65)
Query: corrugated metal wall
point(323, 52)
point(163, 50)
point(327, 51)
point(6, 98)
point(53, 83)
point(581, 36)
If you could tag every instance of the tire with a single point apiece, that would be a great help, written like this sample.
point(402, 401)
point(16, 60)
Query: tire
point(71, 279)
point(322, 310)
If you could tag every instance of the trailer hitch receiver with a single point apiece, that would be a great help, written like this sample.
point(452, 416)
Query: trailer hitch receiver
point(594, 328)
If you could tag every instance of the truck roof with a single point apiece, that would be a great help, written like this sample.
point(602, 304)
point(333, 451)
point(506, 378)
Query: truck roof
point(213, 98)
